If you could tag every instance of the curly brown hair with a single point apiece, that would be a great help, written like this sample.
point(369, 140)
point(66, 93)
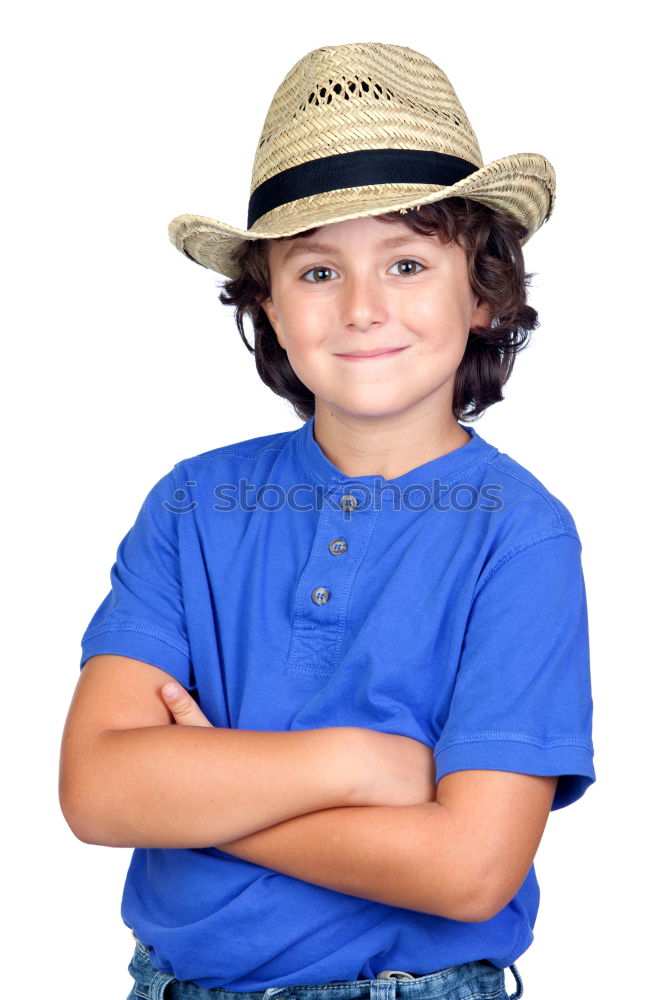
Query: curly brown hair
point(496, 269)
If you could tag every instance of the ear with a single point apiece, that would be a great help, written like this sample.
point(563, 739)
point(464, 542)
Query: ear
point(271, 312)
point(482, 316)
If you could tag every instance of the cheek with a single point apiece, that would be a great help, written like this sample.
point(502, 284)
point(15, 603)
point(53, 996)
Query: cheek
point(439, 319)
point(298, 341)
point(306, 326)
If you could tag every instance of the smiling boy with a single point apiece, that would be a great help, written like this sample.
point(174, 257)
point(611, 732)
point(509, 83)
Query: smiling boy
point(392, 692)
point(390, 412)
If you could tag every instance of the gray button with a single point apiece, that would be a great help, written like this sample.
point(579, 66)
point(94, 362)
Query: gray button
point(394, 974)
point(320, 595)
point(348, 502)
point(337, 546)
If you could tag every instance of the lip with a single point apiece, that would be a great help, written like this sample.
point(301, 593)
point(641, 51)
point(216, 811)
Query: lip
point(380, 352)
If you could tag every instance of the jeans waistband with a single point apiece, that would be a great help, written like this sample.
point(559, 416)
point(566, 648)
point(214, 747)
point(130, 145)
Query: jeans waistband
point(481, 980)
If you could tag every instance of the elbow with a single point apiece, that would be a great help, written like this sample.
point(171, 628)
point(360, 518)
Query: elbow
point(82, 830)
point(83, 811)
point(480, 897)
point(87, 826)
point(76, 810)
point(75, 818)
point(477, 909)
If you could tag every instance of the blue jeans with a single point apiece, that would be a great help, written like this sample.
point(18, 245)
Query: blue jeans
point(471, 981)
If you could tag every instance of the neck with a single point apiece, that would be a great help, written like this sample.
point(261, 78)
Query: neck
point(388, 447)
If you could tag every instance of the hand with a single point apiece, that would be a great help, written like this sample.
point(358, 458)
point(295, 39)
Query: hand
point(182, 706)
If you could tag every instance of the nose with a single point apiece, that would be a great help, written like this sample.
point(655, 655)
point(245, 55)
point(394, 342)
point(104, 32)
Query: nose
point(364, 302)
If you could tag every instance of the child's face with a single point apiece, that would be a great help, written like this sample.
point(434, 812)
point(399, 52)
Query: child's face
point(364, 285)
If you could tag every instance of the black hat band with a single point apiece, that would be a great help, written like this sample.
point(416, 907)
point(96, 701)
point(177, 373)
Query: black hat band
point(350, 170)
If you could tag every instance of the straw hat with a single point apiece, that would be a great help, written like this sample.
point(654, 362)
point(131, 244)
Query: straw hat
point(363, 129)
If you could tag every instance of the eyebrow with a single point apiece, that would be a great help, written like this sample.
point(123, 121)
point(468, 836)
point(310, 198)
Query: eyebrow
point(302, 247)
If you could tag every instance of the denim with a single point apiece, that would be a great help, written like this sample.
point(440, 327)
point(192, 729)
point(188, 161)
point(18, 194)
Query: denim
point(470, 981)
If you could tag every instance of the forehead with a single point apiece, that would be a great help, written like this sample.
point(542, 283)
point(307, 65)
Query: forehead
point(367, 232)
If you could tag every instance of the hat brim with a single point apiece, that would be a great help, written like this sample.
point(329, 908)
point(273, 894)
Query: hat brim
point(521, 186)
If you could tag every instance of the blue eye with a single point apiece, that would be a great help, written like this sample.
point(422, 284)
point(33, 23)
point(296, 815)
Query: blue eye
point(320, 274)
point(410, 263)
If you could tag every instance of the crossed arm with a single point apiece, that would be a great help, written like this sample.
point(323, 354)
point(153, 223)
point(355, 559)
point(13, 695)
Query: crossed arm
point(460, 849)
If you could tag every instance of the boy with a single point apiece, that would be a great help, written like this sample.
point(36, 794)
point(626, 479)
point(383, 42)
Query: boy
point(383, 617)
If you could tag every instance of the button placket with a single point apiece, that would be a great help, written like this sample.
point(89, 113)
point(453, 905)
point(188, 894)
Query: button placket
point(324, 587)
point(348, 503)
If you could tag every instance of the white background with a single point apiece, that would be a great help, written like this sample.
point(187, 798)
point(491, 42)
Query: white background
point(119, 361)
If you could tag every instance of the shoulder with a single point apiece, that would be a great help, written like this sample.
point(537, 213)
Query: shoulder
point(248, 448)
point(196, 481)
point(250, 452)
point(528, 499)
point(518, 513)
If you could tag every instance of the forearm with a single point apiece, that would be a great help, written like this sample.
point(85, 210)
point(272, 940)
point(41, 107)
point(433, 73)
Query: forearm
point(183, 786)
point(408, 856)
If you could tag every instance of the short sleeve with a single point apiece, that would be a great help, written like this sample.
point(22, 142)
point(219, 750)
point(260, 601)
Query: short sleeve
point(522, 697)
point(143, 615)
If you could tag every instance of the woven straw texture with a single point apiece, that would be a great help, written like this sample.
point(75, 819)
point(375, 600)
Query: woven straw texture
point(367, 96)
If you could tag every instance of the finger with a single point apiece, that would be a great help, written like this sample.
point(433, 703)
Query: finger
point(182, 706)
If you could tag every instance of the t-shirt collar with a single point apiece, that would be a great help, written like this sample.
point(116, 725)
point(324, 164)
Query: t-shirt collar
point(319, 466)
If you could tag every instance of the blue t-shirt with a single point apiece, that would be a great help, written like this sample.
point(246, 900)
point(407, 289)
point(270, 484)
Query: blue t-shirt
point(447, 605)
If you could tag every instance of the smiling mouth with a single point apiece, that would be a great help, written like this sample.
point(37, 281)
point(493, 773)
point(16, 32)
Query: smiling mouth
point(371, 354)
